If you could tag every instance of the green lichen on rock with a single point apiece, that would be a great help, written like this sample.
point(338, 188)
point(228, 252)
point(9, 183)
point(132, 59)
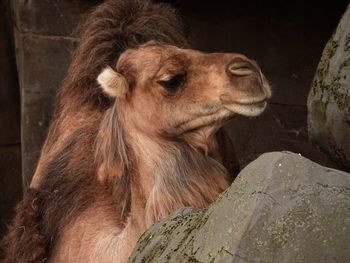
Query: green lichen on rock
point(281, 208)
point(319, 112)
point(329, 97)
point(323, 66)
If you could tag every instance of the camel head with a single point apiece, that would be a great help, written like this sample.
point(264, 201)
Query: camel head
point(167, 91)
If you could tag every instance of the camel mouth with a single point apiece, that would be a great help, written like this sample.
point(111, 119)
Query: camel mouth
point(225, 113)
point(247, 109)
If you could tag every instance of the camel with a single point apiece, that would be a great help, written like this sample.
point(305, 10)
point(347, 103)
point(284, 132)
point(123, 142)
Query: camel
point(136, 134)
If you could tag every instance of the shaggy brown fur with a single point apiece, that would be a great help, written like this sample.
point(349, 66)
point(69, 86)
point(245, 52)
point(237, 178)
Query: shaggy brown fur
point(107, 169)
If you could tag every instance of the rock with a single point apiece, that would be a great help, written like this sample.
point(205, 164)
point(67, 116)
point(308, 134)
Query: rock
point(281, 208)
point(329, 98)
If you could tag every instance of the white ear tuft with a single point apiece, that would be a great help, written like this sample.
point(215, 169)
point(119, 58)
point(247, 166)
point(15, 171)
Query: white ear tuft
point(113, 83)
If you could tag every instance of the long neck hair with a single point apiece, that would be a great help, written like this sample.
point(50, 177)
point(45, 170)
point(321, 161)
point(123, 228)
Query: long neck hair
point(113, 157)
point(183, 176)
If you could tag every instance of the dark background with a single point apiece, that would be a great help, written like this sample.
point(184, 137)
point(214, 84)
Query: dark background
point(285, 37)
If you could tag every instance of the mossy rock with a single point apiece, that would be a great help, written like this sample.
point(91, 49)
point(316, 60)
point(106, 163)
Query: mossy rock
point(281, 208)
point(329, 97)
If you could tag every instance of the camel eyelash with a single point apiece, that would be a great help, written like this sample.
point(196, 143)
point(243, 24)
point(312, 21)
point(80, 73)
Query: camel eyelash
point(173, 82)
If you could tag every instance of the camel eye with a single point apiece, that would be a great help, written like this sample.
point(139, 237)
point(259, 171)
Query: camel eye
point(173, 82)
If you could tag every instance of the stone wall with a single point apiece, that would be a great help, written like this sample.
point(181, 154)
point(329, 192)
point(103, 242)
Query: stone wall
point(10, 141)
point(45, 42)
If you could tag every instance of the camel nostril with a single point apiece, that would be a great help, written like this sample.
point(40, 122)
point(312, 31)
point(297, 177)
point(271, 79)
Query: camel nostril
point(240, 67)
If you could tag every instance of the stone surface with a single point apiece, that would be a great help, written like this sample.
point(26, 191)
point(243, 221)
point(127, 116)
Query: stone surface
point(45, 43)
point(42, 63)
point(329, 98)
point(51, 17)
point(281, 208)
point(10, 141)
point(9, 90)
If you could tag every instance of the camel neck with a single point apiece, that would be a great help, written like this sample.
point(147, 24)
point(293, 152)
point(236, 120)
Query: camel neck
point(171, 175)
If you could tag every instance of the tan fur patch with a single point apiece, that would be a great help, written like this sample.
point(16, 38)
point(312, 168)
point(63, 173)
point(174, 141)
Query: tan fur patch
point(113, 83)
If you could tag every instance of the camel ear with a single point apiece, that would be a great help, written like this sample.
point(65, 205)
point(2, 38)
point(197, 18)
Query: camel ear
point(113, 83)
